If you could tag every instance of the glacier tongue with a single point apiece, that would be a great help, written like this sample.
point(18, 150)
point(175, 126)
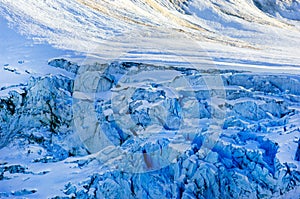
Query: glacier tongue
point(145, 131)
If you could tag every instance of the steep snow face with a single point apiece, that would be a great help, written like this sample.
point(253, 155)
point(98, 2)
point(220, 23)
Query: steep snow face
point(186, 134)
point(121, 29)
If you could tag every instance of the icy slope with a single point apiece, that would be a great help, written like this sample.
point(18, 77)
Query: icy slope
point(244, 146)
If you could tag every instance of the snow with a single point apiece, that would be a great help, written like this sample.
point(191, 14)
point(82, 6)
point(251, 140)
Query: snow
point(263, 149)
point(131, 29)
point(21, 58)
point(187, 99)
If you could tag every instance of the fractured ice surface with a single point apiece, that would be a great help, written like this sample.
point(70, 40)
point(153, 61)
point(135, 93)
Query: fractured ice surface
point(157, 132)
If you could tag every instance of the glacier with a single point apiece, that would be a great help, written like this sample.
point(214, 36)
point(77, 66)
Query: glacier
point(254, 154)
point(149, 99)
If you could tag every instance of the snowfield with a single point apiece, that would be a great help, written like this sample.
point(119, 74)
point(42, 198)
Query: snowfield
point(150, 99)
point(234, 30)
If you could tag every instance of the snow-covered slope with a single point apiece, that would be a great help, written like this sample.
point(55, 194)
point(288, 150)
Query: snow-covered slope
point(114, 29)
point(285, 8)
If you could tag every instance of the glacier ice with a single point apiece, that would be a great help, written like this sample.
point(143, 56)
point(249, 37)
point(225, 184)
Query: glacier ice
point(156, 129)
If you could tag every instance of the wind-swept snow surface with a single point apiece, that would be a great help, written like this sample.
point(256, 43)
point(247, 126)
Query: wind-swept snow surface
point(110, 29)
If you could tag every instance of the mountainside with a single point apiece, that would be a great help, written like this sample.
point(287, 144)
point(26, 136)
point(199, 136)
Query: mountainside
point(130, 29)
point(150, 99)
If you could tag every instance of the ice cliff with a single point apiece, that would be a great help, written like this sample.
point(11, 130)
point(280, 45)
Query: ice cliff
point(129, 130)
